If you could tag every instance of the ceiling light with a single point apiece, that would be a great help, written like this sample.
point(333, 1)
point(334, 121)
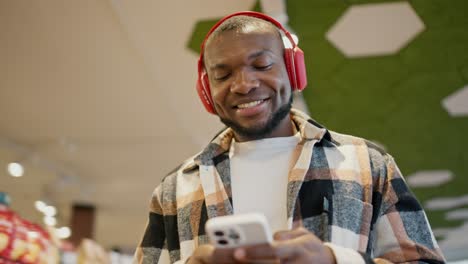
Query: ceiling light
point(63, 232)
point(15, 169)
point(50, 210)
point(40, 205)
point(50, 220)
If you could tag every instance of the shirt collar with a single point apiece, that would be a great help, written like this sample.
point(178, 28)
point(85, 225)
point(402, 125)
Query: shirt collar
point(309, 130)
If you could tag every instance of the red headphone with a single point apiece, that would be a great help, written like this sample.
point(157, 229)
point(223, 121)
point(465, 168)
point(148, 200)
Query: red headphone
point(293, 58)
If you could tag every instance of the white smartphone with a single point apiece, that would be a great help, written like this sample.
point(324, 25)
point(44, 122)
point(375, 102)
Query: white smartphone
point(238, 230)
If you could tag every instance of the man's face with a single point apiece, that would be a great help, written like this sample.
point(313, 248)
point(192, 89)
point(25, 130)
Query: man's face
point(248, 80)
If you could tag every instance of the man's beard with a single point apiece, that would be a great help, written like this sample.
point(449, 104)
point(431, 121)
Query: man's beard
point(259, 132)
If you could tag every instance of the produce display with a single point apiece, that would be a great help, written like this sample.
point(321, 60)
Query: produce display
point(22, 241)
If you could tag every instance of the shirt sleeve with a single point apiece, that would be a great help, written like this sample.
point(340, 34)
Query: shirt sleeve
point(401, 232)
point(153, 246)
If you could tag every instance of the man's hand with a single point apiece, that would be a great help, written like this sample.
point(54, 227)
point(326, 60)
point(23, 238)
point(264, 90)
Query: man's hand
point(292, 246)
point(206, 254)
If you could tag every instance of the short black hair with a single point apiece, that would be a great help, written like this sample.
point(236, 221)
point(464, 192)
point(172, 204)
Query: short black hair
point(240, 23)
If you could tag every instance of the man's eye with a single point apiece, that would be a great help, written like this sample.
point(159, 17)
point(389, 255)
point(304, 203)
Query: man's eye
point(263, 67)
point(221, 77)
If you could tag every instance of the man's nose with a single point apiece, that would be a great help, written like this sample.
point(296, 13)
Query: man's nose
point(244, 82)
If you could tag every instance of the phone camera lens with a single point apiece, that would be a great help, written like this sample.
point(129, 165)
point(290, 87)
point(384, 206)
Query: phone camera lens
point(219, 233)
point(223, 242)
point(234, 236)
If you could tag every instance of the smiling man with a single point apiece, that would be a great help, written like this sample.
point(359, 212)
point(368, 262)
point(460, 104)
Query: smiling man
point(329, 197)
point(249, 82)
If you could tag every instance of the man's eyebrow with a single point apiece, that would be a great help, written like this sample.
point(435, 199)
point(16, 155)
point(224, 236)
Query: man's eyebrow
point(251, 56)
point(218, 66)
point(259, 53)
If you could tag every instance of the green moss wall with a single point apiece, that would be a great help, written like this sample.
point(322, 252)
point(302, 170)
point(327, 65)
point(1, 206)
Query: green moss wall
point(393, 100)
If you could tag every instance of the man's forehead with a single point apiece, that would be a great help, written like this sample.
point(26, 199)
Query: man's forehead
point(248, 34)
point(250, 44)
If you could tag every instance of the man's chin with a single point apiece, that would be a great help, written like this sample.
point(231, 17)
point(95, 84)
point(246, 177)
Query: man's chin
point(260, 128)
point(257, 130)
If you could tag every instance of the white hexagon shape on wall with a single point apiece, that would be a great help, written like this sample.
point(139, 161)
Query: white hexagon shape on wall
point(456, 104)
point(375, 29)
point(444, 203)
point(429, 178)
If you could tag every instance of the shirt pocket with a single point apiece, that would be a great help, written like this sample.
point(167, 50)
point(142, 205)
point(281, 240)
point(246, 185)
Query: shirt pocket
point(350, 220)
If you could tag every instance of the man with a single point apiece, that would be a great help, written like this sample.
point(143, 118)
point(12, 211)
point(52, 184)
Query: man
point(332, 198)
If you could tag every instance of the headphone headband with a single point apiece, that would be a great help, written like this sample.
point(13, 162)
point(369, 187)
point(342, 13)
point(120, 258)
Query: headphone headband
point(243, 13)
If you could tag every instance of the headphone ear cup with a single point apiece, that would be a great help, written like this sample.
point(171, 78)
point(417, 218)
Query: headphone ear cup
point(295, 66)
point(203, 90)
point(299, 69)
point(289, 63)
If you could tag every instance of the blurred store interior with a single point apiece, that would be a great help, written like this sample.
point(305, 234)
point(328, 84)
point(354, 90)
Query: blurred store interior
point(98, 103)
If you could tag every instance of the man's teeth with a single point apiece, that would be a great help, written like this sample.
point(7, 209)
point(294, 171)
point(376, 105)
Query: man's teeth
point(251, 104)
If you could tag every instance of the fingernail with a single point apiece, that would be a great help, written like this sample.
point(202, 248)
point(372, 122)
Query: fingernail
point(282, 237)
point(239, 253)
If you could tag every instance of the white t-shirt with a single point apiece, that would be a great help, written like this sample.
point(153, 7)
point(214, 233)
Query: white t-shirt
point(259, 177)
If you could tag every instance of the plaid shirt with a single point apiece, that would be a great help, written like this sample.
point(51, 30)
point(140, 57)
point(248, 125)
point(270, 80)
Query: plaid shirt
point(344, 189)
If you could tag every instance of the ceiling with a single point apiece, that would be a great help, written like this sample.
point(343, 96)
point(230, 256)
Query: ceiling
point(94, 101)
